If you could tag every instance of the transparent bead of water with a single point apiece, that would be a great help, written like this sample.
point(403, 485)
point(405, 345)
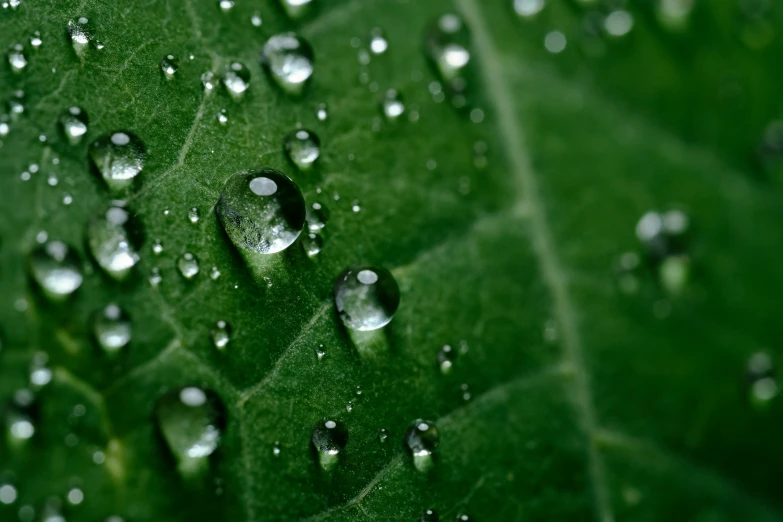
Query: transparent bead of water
point(297, 9)
point(191, 421)
point(35, 40)
point(422, 438)
point(74, 124)
point(19, 417)
point(210, 81)
point(16, 58)
point(302, 147)
point(761, 378)
point(312, 244)
point(447, 43)
point(446, 357)
point(169, 65)
point(392, 105)
point(221, 334)
point(261, 210)
point(366, 297)
point(528, 8)
point(214, 273)
point(321, 112)
point(194, 215)
point(226, 5)
point(222, 117)
point(329, 438)
point(256, 19)
point(56, 268)
point(80, 34)
point(236, 78)
point(429, 515)
point(155, 277)
point(383, 435)
point(112, 329)
point(114, 240)
point(288, 58)
point(188, 265)
point(317, 215)
point(378, 42)
point(119, 157)
point(8, 494)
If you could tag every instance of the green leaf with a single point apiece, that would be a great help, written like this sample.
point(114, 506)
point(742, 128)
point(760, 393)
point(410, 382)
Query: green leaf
point(575, 395)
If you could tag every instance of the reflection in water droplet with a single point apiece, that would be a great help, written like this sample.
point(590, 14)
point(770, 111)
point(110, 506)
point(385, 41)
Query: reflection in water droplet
point(188, 265)
point(191, 421)
point(366, 297)
point(297, 9)
point(236, 78)
point(446, 357)
point(169, 64)
point(392, 105)
point(302, 147)
point(112, 328)
point(119, 157)
point(317, 215)
point(221, 335)
point(528, 8)
point(261, 210)
point(422, 438)
point(113, 241)
point(74, 124)
point(329, 439)
point(447, 43)
point(56, 268)
point(289, 60)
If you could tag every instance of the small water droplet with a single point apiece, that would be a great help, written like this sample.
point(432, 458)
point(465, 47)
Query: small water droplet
point(528, 8)
point(446, 357)
point(191, 421)
point(422, 438)
point(157, 247)
point(193, 215)
point(40, 373)
point(114, 240)
point(119, 157)
point(555, 42)
point(761, 379)
point(321, 112)
point(222, 117)
point(56, 268)
point(463, 518)
point(383, 435)
point(236, 78)
point(19, 417)
point(256, 19)
point(378, 42)
point(317, 215)
point(221, 335)
point(297, 9)
point(289, 60)
point(465, 390)
point(429, 515)
point(17, 59)
point(169, 65)
point(35, 40)
point(447, 43)
point(226, 5)
point(155, 278)
point(112, 328)
point(366, 297)
point(188, 265)
point(312, 244)
point(75, 497)
point(80, 34)
point(674, 14)
point(74, 124)
point(320, 352)
point(618, 23)
point(355, 206)
point(392, 105)
point(302, 147)
point(329, 439)
point(349, 407)
point(276, 450)
point(210, 81)
point(214, 273)
point(261, 210)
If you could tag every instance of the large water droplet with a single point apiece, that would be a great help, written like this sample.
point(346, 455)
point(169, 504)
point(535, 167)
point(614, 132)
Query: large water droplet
point(119, 157)
point(169, 65)
point(112, 328)
point(191, 420)
point(366, 297)
point(422, 438)
point(236, 78)
point(55, 267)
point(114, 241)
point(261, 210)
point(221, 335)
point(392, 105)
point(329, 439)
point(74, 124)
point(297, 9)
point(302, 147)
point(16, 58)
point(289, 59)
point(447, 43)
point(80, 34)
point(188, 265)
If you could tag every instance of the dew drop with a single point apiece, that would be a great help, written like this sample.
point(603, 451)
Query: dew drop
point(7, 494)
point(463, 518)
point(446, 357)
point(114, 239)
point(55, 267)
point(366, 297)
point(17, 59)
point(191, 421)
point(74, 124)
point(169, 65)
point(226, 5)
point(112, 328)
point(214, 273)
point(222, 117)
point(221, 335)
point(209, 80)
point(256, 19)
point(276, 449)
point(761, 379)
point(289, 60)
point(261, 210)
point(317, 215)
point(392, 105)
point(618, 23)
point(157, 247)
point(297, 9)
point(236, 78)
point(528, 8)
point(35, 40)
point(188, 265)
point(383, 435)
point(422, 438)
point(312, 244)
point(674, 14)
point(429, 515)
point(555, 42)
point(80, 34)
point(75, 496)
point(302, 147)
point(447, 43)
point(19, 417)
point(321, 112)
point(329, 439)
point(155, 277)
point(119, 157)
point(193, 215)
point(378, 42)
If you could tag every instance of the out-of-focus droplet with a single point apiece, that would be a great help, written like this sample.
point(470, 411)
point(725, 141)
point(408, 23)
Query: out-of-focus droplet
point(56, 268)
point(317, 215)
point(392, 105)
point(378, 42)
point(446, 357)
point(297, 9)
point(114, 241)
point(236, 78)
point(312, 244)
point(112, 329)
point(429, 515)
point(119, 157)
point(74, 124)
point(188, 265)
point(329, 438)
point(528, 8)
point(221, 335)
point(210, 82)
point(169, 65)
point(289, 60)
point(447, 43)
point(302, 147)
point(761, 379)
point(17, 59)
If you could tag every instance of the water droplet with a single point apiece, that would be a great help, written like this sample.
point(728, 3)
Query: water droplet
point(74, 124)
point(256, 19)
point(40, 373)
point(378, 42)
point(221, 335)
point(35, 40)
point(392, 105)
point(555, 42)
point(317, 215)
point(191, 420)
point(19, 417)
point(236, 78)
point(329, 439)
point(188, 265)
point(302, 147)
point(276, 449)
point(349, 407)
point(214, 273)
point(155, 278)
point(366, 297)
point(447, 43)
point(55, 267)
point(80, 34)
point(222, 117)
point(297, 9)
point(429, 515)
point(17, 59)
point(169, 64)
point(226, 5)
point(312, 244)
point(761, 379)
point(618, 23)
point(119, 157)
point(193, 215)
point(7, 494)
point(209, 80)
point(289, 59)
point(463, 518)
point(261, 210)
point(626, 270)
point(383, 435)
point(422, 438)
point(112, 328)
point(465, 390)
point(157, 247)
point(321, 112)
point(446, 357)
point(528, 8)
point(75, 497)
point(114, 240)
point(674, 14)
